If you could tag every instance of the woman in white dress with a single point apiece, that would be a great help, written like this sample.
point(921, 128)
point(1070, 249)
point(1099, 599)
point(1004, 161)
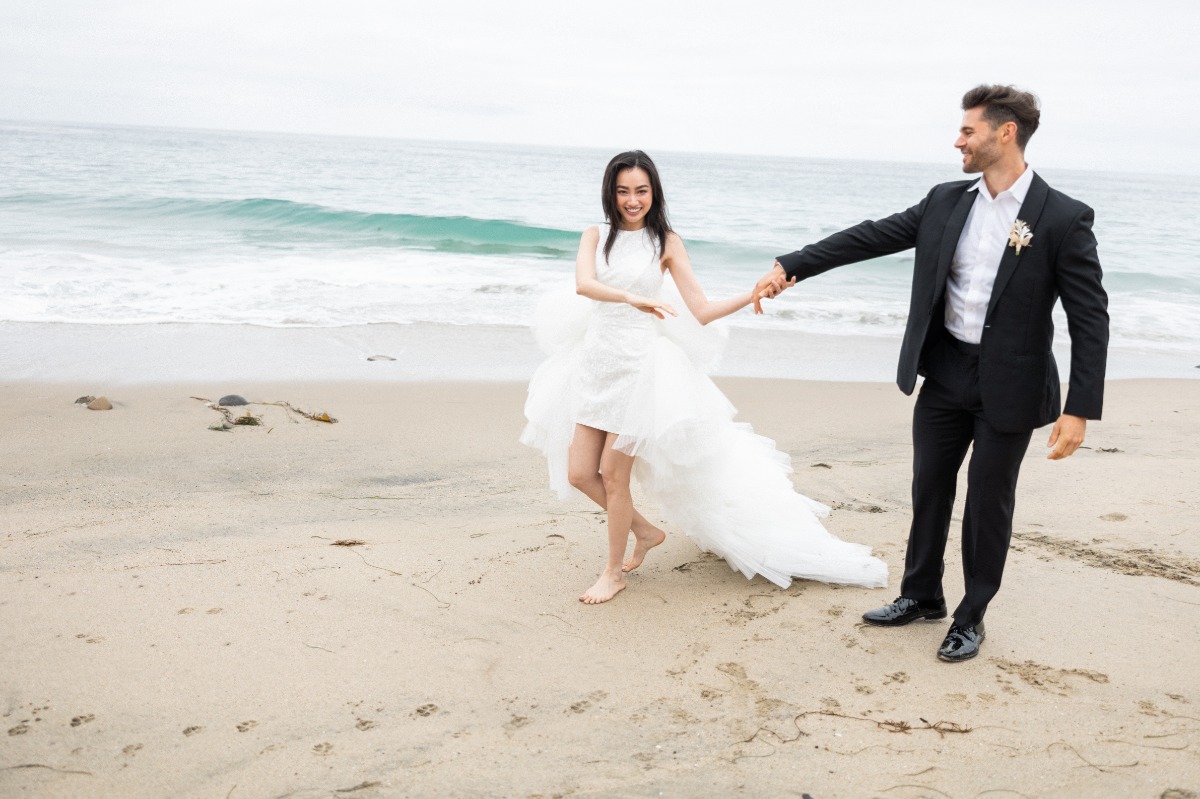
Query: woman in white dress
point(621, 393)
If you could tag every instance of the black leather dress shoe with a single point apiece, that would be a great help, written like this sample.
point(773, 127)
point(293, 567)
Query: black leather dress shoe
point(905, 610)
point(962, 643)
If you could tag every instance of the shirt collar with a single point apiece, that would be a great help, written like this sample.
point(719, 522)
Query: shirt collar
point(1018, 189)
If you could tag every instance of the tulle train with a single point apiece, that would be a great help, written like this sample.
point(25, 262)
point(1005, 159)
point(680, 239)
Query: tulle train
point(723, 485)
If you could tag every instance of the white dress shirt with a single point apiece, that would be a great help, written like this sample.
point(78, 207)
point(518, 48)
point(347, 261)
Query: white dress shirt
point(977, 257)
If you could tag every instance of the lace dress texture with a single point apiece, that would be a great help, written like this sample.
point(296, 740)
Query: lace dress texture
point(618, 369)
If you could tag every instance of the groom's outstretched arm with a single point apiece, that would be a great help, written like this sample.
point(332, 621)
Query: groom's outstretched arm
point(862, 242)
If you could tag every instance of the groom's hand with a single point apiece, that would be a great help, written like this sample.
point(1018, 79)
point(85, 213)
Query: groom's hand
point(1066, 436)
point(770, 285)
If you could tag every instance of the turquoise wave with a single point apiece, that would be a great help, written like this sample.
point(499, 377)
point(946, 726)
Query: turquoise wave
point(442, 233)
point(266, 221)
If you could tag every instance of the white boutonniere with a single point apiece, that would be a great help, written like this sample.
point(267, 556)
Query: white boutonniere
point(1019, 236)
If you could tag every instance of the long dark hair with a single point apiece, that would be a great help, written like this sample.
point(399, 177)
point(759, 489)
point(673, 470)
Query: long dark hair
point(656, 220)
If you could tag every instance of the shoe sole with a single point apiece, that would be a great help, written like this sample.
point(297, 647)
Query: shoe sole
point(934, 616)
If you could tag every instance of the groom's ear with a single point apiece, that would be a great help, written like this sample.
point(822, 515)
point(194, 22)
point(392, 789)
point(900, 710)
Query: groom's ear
point(1008, 132)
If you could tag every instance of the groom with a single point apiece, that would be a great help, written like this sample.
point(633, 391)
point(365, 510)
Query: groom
point(993, 255)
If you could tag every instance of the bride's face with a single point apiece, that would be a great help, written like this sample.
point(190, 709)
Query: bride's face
point(634, 197)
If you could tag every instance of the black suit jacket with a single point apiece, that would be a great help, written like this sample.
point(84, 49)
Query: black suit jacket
point(1018, 377)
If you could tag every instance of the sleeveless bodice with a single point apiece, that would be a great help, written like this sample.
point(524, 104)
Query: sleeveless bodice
point(633, 265)
point(619, 335)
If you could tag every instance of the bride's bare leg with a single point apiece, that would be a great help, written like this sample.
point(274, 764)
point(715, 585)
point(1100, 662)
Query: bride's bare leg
point(615, 468)
point(583, 471)
point(643, 543)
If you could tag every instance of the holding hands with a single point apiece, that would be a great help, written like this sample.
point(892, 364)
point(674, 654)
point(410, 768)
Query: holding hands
point(770, 285)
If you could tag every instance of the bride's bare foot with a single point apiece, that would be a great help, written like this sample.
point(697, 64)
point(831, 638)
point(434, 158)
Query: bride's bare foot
point(607, 587)
point(644, 541)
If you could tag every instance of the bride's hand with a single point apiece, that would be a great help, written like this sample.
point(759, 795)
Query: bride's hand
point(647, 305)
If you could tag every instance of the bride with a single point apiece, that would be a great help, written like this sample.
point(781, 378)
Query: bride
point(622, 393)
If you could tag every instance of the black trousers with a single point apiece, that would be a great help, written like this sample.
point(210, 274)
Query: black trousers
point(948, 418)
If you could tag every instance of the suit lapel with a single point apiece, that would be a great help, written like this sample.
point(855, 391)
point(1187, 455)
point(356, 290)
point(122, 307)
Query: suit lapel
point(950, 236)
point(1030, 211)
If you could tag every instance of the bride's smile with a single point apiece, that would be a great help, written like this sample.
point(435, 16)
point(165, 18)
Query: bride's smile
point(634, 197)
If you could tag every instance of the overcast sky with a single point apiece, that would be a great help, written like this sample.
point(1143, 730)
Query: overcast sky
point(870, 79)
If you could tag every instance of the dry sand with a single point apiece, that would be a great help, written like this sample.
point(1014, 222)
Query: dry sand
point(178, 621)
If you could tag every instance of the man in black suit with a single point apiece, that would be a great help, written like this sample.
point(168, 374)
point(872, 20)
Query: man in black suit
point(993, 256)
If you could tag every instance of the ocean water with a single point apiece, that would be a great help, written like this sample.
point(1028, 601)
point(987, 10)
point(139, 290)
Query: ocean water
point(113, 225)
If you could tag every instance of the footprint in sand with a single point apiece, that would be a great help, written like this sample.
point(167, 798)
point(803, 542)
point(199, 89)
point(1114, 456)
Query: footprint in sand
point(190, 731)
point(1145, 707)
point(426, 710)
point(517, 722)
point(1007, 685)
point(1114, 517)
point(583, 704)
point(129, 750)
point(245, 726)
point(323, 749)
point(897, 677)
point(184, 611)
point(214, 611)
point(20, 729)
point(1047, 678)
point(364, 724)
point(84, 719)
point(91, 639)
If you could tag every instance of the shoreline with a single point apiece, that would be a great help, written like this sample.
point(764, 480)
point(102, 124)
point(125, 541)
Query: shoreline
point(168, 593)
point(165, 352)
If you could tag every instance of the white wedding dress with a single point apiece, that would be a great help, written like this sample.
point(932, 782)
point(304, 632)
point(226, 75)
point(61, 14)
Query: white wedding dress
point(617, 369)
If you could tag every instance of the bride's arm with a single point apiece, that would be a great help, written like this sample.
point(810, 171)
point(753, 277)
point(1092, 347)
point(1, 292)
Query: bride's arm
point(675, 258)
point(588, 286)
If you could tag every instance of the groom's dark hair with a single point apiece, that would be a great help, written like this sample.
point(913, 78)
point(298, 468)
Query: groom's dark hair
point(1006, 104)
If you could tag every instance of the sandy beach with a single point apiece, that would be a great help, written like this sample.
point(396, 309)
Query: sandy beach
point(179, 618)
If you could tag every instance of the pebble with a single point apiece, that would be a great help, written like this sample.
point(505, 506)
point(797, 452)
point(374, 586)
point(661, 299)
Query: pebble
point(84, 400)
point(232, 399)
point(100, 404)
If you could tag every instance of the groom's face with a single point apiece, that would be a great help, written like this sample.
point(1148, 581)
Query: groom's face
point(978, 142)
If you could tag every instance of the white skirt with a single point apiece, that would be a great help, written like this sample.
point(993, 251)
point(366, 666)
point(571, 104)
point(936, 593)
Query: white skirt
point(725, 487)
